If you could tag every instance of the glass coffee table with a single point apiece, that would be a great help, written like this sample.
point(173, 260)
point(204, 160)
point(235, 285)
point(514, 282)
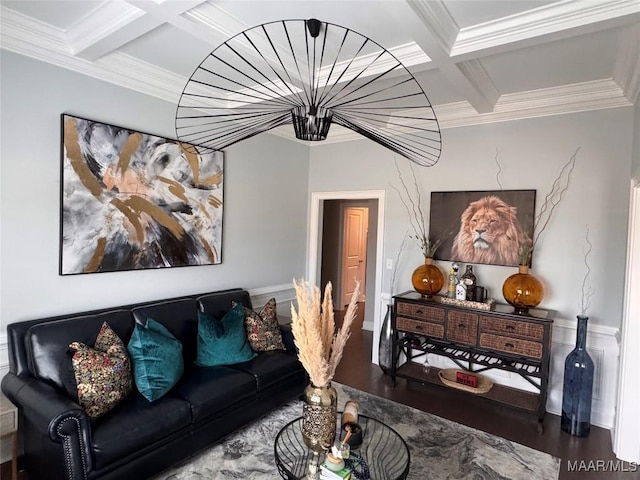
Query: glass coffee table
point(383, 455)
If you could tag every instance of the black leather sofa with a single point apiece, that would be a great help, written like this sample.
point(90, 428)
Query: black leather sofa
point(137, 439)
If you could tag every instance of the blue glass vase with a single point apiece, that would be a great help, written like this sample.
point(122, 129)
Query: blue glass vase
point(578, 386)
point(384, 344)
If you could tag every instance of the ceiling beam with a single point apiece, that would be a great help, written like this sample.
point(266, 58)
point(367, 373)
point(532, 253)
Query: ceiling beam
point(114, 24)
point(434, 29)
point(107, 28)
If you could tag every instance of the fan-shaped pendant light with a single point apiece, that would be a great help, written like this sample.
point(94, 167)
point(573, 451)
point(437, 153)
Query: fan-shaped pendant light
point(311, 74)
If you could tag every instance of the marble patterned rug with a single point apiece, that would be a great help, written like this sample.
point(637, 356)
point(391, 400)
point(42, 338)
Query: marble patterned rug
point(440, 449)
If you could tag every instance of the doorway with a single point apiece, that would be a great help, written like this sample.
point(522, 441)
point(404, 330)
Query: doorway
point(345, 247)
point(375, 201)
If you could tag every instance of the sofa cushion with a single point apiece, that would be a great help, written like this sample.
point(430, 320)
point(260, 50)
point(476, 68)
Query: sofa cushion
point(263, 330)
point(269, 368)
point(212, 390)
point(223, 341)
point(103, 373)
point(179, 317)
point(48, 344)
point(157, 359)
point(135, 425)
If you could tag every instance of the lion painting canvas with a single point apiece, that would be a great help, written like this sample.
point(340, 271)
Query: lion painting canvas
point(488, 228)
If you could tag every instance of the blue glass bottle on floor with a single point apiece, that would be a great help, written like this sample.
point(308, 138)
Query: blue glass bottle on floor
point(578, 386)
point(385, 342)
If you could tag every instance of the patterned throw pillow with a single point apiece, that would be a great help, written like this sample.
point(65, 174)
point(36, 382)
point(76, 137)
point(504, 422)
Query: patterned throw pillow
point(263, 330)
point(103, 373)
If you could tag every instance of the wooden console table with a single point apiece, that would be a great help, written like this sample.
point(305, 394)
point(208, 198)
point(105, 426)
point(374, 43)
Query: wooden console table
point(476, 341)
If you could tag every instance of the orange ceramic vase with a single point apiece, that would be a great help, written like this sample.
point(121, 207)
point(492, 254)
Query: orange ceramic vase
point(427, 279)
point(522, 290)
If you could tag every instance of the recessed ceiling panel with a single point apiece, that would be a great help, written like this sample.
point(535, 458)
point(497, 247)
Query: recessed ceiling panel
point(169, 48)
point(472, 12)
point(60, 14)
point(438, 87)
point(365, 17)
point(580, 59)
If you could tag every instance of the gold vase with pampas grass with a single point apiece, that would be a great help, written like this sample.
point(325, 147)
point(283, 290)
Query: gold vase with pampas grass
point(320, 348)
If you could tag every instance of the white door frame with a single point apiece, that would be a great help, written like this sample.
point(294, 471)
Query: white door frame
point(364, 245)
point(626, 441)
point(314, 250)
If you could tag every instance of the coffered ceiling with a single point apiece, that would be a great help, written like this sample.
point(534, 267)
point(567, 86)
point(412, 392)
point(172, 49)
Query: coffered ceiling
point(479, 61)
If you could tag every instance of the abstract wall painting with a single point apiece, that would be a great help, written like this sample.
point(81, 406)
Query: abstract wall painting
point(133, 201)
point(486, 227)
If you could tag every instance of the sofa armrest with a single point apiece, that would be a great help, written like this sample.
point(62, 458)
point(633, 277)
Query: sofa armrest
point(55, 415)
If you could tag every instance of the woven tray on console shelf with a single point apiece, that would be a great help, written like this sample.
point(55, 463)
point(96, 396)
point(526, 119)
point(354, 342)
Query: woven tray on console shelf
point(448, 377)
point(489, 304)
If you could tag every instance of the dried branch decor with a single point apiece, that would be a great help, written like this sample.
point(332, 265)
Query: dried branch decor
point(320, 347)
point(412, 202)
point(551, 200)
point(587, 291)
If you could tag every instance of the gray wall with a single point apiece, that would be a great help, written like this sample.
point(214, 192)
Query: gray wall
point(265, 211)
point(531, 153)
point(267, 183)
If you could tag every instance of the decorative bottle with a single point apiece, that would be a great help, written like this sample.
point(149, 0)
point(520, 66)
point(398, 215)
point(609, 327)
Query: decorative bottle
point(470, 281)
point(461, 290)
point(385, 343)
point(453, 281)
point(578, 386)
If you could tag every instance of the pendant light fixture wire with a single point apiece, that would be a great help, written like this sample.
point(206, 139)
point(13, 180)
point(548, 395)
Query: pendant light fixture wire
point(311, 74)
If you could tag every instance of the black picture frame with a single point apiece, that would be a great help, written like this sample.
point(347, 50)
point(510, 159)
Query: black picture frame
point(504, 219)
point(131, 200)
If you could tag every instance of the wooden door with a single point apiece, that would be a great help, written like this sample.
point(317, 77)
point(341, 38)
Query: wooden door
point(354, 251)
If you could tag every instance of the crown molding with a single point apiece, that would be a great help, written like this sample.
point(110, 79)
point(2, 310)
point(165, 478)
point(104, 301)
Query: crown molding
point(546, 20)
point(104, 21)
point(578, 97)
point(16, 28)
point(25, 36)
point(626, 71)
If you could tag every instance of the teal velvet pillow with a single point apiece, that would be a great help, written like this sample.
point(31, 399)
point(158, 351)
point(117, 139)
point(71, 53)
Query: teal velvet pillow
point(223, 342)
point(157, 359)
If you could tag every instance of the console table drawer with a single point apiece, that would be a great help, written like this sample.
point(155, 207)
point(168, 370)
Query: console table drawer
point(533, 331)
point(435, 330)
point(462, 327)
point(516, 346)
point(433, 314)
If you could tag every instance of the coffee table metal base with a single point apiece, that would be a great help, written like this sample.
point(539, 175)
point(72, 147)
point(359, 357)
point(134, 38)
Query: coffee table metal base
point(384, 452)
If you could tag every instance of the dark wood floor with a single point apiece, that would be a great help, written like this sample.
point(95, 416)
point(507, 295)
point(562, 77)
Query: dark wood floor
point(356, 370)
